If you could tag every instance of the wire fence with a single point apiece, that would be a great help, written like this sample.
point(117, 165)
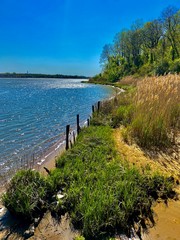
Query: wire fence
point(38, 155)
point(35, 158)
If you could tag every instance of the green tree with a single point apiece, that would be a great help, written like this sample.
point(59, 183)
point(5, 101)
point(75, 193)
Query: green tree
point(152, 32)
point(171, 22)
point(153, 47)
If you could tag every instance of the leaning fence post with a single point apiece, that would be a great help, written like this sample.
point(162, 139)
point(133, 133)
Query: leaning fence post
point(67, 136)
point(78, 127)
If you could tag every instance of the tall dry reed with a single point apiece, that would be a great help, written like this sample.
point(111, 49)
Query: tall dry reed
point(156, 117)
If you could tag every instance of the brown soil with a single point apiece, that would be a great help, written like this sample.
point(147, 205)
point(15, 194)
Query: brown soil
point(167, 217)
point(48, 229)
point(51, 229)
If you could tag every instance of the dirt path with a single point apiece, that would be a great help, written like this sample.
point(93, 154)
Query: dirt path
point(167, 217)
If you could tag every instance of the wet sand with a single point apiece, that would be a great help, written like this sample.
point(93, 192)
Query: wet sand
point(50, 229)
point(50, 161)
point(167, 220)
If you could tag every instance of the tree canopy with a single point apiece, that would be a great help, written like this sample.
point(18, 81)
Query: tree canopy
point(152, 48)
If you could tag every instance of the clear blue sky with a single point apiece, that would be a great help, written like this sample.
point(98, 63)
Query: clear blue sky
point(66, 36)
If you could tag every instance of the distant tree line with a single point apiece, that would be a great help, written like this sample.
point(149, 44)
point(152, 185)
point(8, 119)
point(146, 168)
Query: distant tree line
point(39, 75)
point(152, 48)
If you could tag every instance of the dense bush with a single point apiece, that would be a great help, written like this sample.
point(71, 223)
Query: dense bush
point(26, 194)
point(146, 70)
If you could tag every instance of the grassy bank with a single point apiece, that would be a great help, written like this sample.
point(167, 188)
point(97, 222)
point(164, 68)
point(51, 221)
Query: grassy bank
point(102, 195)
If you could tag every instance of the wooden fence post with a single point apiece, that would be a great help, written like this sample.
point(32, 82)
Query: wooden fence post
point(92, 108)
point(74, 137)
point(88, 122)
point(67, 136)
point(99, 104)
point(78, 127)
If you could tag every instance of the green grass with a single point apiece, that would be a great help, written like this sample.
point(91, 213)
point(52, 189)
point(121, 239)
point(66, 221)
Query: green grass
point(103, 196)
point(26, 195)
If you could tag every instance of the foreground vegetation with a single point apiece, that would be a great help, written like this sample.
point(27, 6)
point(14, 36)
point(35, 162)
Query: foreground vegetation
point(105, 195)
point(102, 194)
point(27, 195)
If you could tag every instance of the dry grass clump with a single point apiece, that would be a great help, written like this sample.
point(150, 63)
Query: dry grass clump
point(156, 117)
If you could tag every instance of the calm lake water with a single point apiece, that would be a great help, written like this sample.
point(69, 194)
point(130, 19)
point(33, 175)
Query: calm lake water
point(34, 113)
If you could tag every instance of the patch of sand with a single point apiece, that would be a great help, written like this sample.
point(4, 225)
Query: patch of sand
point(167, 220)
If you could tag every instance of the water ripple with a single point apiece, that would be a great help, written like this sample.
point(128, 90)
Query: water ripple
point(34, 113)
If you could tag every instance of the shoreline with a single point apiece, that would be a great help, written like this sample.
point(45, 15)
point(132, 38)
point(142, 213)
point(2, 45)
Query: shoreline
point(38, 160)
point(28, 157)
point(48, 159)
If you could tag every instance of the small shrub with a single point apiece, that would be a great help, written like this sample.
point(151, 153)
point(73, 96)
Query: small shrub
point(146, 70)
point(26, 194)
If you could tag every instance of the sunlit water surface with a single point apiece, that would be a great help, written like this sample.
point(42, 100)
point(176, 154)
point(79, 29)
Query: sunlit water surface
point(34, 113)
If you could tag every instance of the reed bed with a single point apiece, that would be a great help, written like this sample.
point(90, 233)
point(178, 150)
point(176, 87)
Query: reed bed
point(149, 109)
point(156, 118)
